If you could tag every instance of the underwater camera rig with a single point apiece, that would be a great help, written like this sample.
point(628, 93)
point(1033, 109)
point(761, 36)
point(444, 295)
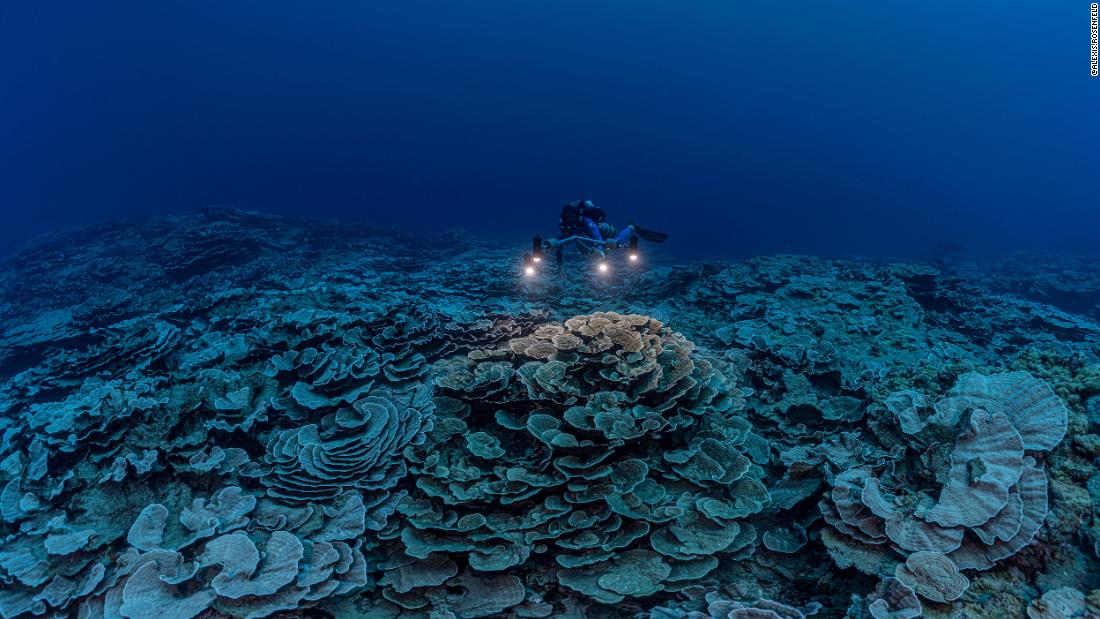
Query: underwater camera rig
point(541, 249)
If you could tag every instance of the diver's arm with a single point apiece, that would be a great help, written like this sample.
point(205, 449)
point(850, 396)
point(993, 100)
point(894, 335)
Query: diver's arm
point(593, 229)
point(594, 233)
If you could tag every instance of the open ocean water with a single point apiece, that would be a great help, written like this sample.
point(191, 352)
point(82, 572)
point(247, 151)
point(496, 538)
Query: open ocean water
point(284, 331)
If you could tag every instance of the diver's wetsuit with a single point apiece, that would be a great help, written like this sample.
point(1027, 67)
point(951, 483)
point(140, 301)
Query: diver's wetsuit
point(581, 218)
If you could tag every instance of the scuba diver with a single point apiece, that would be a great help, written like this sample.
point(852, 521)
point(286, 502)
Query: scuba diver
point(584, 224)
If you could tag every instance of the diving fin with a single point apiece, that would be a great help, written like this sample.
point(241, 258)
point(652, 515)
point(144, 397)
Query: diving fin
point(650, 235)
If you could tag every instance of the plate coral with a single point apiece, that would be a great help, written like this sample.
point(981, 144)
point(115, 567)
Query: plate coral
point(239, 415)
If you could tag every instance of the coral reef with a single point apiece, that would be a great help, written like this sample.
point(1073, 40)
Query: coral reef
point(992, 498)
point(233, 414)
point(543, 462)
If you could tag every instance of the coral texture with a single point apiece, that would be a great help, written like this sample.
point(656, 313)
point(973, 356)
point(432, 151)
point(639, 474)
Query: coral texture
point(231, 414)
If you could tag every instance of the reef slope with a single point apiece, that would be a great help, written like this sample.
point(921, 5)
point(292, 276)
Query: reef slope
point(233, 414)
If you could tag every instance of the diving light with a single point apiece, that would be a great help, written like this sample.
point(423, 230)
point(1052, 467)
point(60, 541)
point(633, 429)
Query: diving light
point(536, 251)
point(602, 267)
point(633, 256)
point(528, 267)
point(633, 248)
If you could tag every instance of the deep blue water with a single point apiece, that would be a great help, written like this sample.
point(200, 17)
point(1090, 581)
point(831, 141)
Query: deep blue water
point(739, 127)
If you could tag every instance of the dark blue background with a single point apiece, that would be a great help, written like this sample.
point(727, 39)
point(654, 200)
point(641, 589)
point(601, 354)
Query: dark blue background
point(740, 127)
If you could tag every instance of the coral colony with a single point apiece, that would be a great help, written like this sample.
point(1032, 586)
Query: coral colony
point(238, 415)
